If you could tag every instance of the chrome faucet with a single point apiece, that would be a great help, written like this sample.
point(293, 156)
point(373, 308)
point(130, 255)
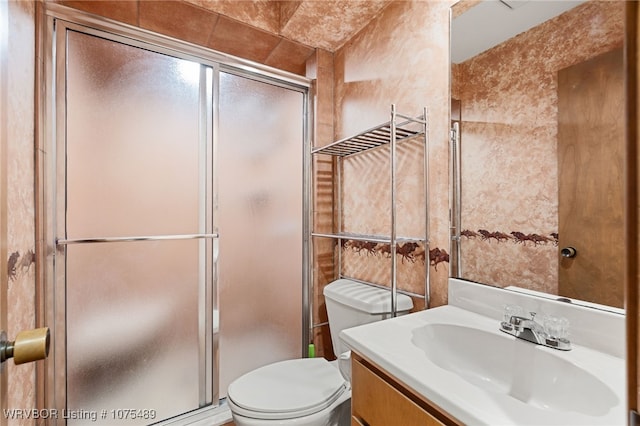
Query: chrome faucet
point(552, 333)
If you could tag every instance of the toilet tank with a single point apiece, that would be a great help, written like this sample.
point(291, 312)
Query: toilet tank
point(350, 303)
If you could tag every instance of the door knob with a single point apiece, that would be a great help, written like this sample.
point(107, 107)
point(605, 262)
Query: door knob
point(29, 346)
point(568, 252)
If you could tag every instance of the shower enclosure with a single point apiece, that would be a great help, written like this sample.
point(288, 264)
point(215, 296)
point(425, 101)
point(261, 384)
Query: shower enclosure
point(171, 175)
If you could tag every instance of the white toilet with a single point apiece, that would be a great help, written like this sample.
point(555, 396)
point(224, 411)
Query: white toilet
point(312, 391)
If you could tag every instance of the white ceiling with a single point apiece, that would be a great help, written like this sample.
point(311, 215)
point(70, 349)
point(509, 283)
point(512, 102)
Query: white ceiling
point(492, 22)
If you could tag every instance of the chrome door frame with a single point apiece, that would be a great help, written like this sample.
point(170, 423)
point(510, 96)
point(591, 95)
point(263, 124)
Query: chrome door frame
point(54, 19)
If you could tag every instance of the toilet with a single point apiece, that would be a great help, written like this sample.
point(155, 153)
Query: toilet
point(313, 391)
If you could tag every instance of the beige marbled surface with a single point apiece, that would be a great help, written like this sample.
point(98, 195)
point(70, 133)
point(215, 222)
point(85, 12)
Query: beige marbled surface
point(320, 68)
point(245, 29)
point(462, 6)
point(263, 14)
point(329, 24)
point(20, 198)
point(509, 129)
point(325, 24)
point(401, 57)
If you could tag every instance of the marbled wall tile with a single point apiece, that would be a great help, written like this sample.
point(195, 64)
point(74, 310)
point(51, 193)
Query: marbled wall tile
point(21, 198)
point(539, 273)
point(401, 57)
point(328, 24)
point(462, 6)
point(320, 66)
point(263, 14)
point(366, 193)
point(382, 65)
point(287, 10)
point(324, 108)
point(242, 40)
point(119, 10)
point(324, 131)
point(371, 262)
point(367, 267)
point(289, 56)
point(325, 60)
point(177, 19)
point(325, 24)
point(322, 341)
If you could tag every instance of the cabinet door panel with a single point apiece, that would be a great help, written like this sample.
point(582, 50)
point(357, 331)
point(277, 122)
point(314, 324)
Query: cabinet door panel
point(376, 403)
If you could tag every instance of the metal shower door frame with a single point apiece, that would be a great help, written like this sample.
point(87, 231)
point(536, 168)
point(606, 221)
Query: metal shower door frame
point(54, 21)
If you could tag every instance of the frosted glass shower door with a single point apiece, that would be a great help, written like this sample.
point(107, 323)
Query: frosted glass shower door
point(135, 223)
point(260, 164)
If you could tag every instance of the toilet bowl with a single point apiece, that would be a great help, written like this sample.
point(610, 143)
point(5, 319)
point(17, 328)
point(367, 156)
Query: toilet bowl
point(312, 391)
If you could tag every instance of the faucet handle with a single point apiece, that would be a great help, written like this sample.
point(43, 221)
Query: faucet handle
point(557, 331)
point(557, 327)
point(511, 311)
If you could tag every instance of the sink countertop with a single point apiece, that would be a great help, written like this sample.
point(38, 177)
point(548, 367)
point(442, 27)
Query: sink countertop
point(389, 345)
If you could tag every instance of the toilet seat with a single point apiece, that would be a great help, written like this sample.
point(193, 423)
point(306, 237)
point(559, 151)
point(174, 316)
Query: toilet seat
point(287, 389)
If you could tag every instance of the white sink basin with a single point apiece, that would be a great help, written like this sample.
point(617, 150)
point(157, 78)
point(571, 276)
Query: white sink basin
point(460, 361)
point(496, 362)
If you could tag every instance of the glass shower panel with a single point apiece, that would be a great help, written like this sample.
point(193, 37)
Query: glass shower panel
point(132, 330)
point(132, 140)
point(135, 166)
point(260, 161)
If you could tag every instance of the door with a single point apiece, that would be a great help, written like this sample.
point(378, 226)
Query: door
point(154, 151)
point(134, 231)
point(260, 217)
point(591, 138)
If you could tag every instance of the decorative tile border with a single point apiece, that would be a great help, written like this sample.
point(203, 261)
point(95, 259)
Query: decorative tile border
point(410, 251)
point(513, 236)
point(16, 264)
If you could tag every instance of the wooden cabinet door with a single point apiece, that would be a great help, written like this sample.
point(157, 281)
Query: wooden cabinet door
point(376, 402)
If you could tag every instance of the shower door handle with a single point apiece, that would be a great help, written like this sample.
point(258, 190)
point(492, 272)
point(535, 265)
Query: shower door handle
point(29, 346)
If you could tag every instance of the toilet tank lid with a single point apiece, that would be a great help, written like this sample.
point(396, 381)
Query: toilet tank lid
point(365, 298)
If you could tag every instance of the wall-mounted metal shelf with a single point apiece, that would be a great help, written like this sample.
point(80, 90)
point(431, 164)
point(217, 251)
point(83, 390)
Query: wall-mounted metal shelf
point(373, 138)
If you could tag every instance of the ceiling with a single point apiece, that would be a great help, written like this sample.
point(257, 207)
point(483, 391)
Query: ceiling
point(492, 22)
point(325, 24)
point(329, 24)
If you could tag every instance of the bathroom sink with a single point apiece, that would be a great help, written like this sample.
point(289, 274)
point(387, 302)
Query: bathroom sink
point(456, 357)
point(501, 364)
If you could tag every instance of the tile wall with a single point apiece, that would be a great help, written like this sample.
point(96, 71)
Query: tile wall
point(320, 69)
point(21, 294)
point(400, 58)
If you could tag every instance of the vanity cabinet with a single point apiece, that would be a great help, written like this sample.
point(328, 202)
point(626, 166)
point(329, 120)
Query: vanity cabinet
point(379, 400)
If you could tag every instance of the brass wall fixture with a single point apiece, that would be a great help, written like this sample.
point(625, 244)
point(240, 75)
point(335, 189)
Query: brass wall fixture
point(29, 346)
